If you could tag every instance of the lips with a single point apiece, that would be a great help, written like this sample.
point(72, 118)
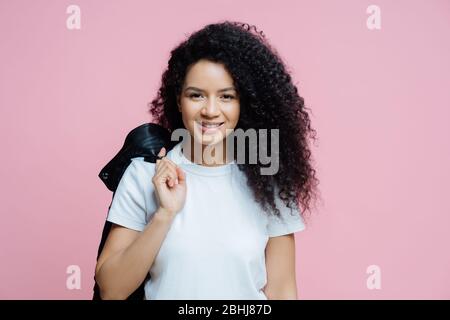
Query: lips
point(210, 127)
point(211, 124)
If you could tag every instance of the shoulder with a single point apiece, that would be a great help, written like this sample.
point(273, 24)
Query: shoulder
point(290, 219)
point(133, 200)
point(139, 164)
point(142, 171)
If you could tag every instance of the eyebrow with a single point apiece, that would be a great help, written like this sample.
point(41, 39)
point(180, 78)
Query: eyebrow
point(221, 90)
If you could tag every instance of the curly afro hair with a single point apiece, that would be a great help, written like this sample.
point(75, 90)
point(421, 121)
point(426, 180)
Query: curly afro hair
point(268, 100)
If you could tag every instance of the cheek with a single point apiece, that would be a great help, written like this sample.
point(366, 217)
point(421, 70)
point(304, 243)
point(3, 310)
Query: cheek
point(189, 112)
point(233, 114)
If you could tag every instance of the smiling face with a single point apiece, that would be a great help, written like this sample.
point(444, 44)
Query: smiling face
point(209, 102)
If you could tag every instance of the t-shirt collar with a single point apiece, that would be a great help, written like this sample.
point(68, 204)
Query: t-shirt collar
point(177, 156)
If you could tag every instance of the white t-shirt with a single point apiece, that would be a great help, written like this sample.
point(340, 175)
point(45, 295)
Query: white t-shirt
point(215, 247)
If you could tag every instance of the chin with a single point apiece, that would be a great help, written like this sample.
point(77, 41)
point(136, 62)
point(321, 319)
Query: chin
point(209, 139)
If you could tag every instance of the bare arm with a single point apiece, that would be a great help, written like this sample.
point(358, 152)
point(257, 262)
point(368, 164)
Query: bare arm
point(280, 266)
point(122, 265)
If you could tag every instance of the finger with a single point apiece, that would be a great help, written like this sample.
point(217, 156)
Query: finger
point(166, 163)
point(161, 164)
point(171, 178)
point(160, 161)
point(161, 154)
point(162, 179)
point(166, 175)
point(181, 176)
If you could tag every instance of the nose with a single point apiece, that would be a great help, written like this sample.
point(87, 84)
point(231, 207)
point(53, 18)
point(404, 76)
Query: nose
point(211, 109)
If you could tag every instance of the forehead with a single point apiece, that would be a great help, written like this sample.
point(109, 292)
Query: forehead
point(208, 75)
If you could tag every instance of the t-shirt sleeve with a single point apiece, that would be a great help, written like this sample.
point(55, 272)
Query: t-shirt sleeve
point(290, 220)
point(132, 199)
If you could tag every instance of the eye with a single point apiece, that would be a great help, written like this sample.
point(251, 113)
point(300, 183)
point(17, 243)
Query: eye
point(194, 95)
point(228, 97)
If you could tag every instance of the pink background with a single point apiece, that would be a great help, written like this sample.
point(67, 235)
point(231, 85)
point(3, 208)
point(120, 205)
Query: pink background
point(380, 101)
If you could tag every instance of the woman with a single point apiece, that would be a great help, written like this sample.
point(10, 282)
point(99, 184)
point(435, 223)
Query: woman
point(208, 227)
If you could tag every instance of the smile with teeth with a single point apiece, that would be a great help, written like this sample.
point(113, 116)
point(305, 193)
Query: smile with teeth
point(210, 127)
